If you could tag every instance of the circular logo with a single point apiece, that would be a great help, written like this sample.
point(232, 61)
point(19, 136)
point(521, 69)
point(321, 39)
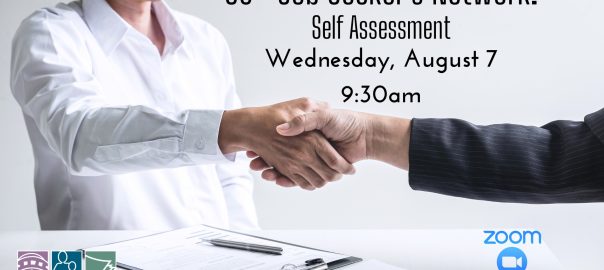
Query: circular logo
point(512, 258)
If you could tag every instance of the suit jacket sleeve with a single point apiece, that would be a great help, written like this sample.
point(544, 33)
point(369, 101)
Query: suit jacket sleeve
point(561, 162)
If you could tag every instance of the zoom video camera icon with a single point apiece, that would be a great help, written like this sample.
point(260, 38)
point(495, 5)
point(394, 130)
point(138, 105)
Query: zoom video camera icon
point(512, 259)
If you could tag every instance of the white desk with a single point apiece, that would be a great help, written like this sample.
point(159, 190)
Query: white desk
point(410, 249)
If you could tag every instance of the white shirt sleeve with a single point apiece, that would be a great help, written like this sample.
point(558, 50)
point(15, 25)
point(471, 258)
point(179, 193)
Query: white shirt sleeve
point(52, 79)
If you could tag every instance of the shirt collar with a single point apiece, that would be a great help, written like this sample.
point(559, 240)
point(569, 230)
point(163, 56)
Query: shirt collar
point(109, 28)
point(169, 24)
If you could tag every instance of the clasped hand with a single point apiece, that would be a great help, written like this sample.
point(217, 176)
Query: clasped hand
point(345, 130)
point(306, 160)
point(304, 143)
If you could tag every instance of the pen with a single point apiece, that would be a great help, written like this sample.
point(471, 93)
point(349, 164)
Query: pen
point(126, 267)
point(244, 246)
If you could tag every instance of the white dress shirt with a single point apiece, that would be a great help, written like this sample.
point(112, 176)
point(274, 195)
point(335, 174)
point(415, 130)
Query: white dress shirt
point(125, 137)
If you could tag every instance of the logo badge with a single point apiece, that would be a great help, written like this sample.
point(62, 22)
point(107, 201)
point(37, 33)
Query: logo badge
point(66, 260)
point(100, 260)
point(512, 258)
point(32, 260)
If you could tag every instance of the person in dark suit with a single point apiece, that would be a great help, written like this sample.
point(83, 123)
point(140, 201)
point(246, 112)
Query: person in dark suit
point(561, 162)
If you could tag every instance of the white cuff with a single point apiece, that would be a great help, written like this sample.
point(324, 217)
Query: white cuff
point(200, 140)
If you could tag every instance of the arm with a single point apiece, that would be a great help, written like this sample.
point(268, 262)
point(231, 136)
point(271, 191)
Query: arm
point(560, 162)
point(55, 86)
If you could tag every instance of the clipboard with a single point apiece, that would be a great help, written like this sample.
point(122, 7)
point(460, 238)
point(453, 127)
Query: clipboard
point(337, 264)
point(150, 252)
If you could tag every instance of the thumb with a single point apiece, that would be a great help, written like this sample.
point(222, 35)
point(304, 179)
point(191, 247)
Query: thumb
point(303, 123)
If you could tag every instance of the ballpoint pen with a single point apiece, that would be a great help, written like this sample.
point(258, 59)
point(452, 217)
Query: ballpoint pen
point(314, 264)
point(244, 246)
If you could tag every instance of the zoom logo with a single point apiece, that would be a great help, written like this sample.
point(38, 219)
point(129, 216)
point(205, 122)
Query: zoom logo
point(514, 237)
point(512, 258)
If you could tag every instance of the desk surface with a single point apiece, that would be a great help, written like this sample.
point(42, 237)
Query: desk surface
point(410, 249)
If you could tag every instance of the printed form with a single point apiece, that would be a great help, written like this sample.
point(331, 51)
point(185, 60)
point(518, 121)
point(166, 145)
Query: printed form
point(183, 249)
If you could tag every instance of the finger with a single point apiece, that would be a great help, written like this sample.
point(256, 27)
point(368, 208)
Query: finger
point(258, 164)
point(280, 179)
point(302, 182)
point(274, 175)
point(285, 182)
point(270, 175)
point(296, 180)
point(325, 171)
point(303, 123)
point(333, 159)
point(251, 154)
point(314, 178)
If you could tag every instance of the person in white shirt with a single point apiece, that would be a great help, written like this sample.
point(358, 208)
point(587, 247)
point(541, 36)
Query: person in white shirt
point(133, 116)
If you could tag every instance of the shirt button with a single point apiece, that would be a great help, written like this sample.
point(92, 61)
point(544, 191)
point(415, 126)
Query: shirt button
point(201, 144)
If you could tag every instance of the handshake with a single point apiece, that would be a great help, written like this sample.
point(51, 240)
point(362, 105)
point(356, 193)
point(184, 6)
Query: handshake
point(305, 143)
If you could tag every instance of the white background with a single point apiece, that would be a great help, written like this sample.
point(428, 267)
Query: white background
point(548, 68)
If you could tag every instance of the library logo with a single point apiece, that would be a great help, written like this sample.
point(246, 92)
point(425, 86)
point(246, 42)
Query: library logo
point(32, 260)
point(100, 260)
point(66, 260)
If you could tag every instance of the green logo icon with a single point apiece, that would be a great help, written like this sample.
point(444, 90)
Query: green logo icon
point(100, 260)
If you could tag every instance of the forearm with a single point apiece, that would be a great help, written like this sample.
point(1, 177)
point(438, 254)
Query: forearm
point(122, 140)
point(560, 162)
point(388, 140)
point(94, 135)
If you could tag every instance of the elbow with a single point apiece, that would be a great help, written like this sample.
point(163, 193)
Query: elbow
point(81, 161)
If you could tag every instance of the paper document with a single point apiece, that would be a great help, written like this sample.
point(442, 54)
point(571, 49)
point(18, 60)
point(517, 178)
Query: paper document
point(183, 250)
point(373, 265)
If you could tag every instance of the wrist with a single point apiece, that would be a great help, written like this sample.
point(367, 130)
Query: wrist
point(230, 135)
point(388, 140)
point(374, 139)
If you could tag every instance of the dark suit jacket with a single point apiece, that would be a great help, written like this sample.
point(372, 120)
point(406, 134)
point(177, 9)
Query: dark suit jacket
point(561, 162)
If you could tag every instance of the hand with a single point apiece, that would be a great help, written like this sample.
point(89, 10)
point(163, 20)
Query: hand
point(356, 136)
point(346, 129)
point(307, 160)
